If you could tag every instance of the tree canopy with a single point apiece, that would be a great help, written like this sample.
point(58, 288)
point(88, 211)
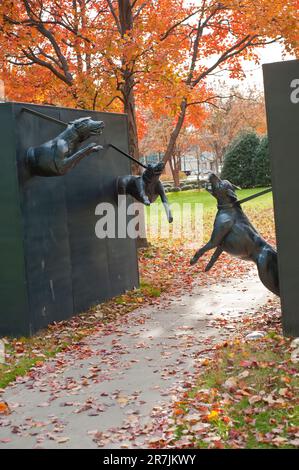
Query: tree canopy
point(126, 55)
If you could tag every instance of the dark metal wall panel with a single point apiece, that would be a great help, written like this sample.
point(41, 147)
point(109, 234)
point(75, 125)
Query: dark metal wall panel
point(14, 312)
point(283, 130)
point(52, 263)
point(46, 237)
point(101, 268)
point(88, 254)
point(120, 264)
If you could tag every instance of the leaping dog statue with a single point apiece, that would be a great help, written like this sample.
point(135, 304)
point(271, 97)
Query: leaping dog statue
point(234, 234)
point(59, 155)
point(146, 188)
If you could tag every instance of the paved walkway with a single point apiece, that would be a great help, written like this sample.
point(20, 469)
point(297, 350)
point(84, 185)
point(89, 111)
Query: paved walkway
point(110, 389)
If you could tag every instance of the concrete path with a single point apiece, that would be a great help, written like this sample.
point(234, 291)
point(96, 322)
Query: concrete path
point(111, 390)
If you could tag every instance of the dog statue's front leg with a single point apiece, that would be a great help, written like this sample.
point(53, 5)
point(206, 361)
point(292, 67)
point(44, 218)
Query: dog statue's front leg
point(161, 192)
point(214, 258)
point(201, 252)
point(142, 196)
point(64, 164)
point(222, 226)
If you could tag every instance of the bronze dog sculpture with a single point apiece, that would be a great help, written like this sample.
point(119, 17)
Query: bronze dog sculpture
point(59, 155)
point(234, 234)
point(146, 188)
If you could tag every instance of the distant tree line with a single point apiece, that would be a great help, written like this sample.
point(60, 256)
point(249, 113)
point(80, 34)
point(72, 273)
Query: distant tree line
point(247, 162)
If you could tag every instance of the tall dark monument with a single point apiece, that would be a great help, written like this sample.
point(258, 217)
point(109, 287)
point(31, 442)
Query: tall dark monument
point(282, 103)
point(52, 265)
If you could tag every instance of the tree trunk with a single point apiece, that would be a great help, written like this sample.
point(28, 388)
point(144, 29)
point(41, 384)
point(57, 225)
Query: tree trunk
point(176, 132)
point(218, 162)
point(216, 165)
point(176, 178)
point(175, 171)
point(130, 110)
point(126, 21)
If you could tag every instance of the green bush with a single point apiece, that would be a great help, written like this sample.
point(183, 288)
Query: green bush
point(261, 164)
point(238, 161)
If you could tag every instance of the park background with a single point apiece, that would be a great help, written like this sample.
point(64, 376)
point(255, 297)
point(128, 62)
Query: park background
point(188, 75)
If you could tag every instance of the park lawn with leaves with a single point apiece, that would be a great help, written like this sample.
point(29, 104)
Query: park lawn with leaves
point(245, 396)
point(164, 271)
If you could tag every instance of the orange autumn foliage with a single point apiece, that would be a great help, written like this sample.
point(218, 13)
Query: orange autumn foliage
point(124, 55)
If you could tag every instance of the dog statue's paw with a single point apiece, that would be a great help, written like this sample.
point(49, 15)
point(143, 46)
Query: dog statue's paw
point(89, 148)
point(93, 147)
point(96, 148)
point(170, 219)
point(193, 260)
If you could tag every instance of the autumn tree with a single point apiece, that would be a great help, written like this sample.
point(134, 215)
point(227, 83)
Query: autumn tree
point(91, 54)
point(156, 138)
point(234, 112)
point(126, 54)
point(46, 51)
point(224, 34)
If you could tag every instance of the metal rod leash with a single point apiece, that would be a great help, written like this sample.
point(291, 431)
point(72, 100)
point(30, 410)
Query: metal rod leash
point(128, 156)
point(253, 196)
point(44, 116)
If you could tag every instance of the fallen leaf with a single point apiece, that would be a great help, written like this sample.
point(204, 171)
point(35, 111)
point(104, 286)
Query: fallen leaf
point(230, 384)
point(4, 408)
point(62, 440)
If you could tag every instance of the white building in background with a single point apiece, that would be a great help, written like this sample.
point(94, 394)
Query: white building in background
point(201, 166)
point(189, 164)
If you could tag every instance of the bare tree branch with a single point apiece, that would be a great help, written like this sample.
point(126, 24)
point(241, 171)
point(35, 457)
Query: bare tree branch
point(174, 26)
point(114, 15)
point(111, 101)
point(139, 10)
point(37, 60)
point(229, 53)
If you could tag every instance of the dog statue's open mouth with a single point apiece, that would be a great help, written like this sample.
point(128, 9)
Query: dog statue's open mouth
point(97, 129)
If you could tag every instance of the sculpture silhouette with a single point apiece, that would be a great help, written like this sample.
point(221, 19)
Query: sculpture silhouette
point(146, 188)
point(59, 155)
point(234, 234)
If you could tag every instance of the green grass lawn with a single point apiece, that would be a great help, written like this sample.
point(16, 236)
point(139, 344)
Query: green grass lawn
point(249, 391)
point(209, 202)
point(193, 197)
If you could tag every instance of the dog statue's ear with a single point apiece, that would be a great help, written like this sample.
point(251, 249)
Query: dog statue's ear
point(80, 120)
point(231, 194)
point(233, 185)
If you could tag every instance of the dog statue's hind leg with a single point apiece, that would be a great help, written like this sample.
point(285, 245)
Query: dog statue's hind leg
point(268, 269)
point(161, 192)
point(214, 258)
